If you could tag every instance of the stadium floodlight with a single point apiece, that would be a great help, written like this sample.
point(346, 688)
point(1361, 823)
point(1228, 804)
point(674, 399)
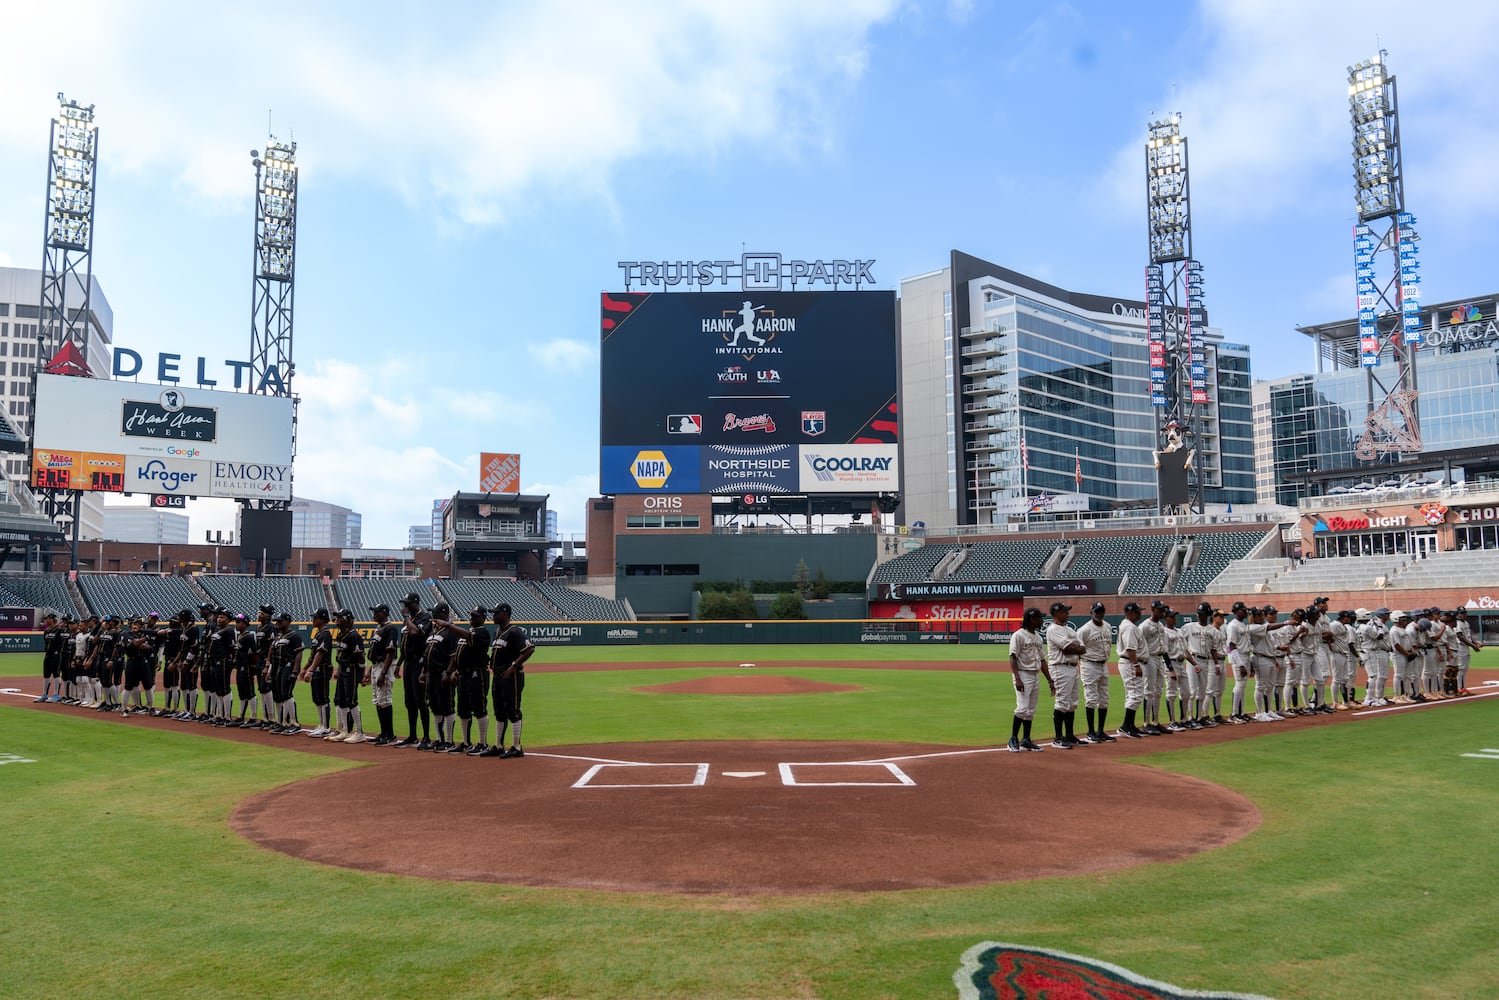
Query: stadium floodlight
point(1167, 191)
point(1378, 183)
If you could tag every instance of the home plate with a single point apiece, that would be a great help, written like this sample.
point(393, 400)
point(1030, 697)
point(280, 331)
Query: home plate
point(744, 774)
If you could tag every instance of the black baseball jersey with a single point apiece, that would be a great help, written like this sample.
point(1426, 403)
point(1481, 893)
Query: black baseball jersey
point(322, 642)
point(105, 647)
point(475, 655)
point(414, 644)
point(171, 641)
point(441, 645)
point(508, 645)
point(205, 640)
point(53, 641)
point(221, 644)
point(385, 640)
point(247, 648)
point(285, 647)
point(350, 649)
point(140, 650)
point(192, 639)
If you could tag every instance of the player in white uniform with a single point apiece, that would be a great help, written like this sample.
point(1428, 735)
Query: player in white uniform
point(1027, 665)
point(1201, 638)
point(1340, 649)
point(1064, 651)
point(1321, 633)
point(1153, 642)
point(1240, 650)
point(1179, 668)
point(1132, 663)
point(1093, 671)
point(1374, 639)
point(1402, 654)
point(1466, 647)
point(1265, 660)
point(1296, 654)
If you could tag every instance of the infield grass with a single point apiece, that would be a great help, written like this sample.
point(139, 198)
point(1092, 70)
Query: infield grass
point(1371, 875)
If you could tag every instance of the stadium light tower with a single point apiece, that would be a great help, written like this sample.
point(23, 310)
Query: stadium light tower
point(271, 365)
point(1174, 311)
point(1387, 268)
point(67, 271)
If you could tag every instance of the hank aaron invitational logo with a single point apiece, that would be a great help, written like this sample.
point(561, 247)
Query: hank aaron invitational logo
point(749, 330)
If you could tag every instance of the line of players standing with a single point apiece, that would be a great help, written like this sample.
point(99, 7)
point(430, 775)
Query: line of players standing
point(107, 664)
point(1296, 665)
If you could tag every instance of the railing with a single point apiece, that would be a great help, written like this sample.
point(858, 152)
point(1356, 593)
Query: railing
point(1430, 491)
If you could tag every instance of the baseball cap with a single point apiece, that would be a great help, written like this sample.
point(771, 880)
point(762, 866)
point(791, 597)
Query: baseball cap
point(1256, 611)
point(1381, 611)
point(284, 616)
point(1098, 606)
point(1322, 600)
point(320, 613)
point(268, 609)
point(1239, 606)
point(1204, 608)
point(380, 607)
point(1132, 606)
point(1271, 609)
point(1059, 606)
point(1157, 604)
point(412, 598)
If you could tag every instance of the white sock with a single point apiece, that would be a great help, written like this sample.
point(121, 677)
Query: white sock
point(515, 734)
point(356, 723)
point(483, 730)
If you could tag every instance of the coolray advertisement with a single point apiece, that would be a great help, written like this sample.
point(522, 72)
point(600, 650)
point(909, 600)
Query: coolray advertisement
point(645, 469)
point(769, 468)
point(747, 368)
point(848, 468)
point(205, 443)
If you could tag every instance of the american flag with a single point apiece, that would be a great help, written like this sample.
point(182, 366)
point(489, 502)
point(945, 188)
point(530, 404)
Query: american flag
point(1077, 469)
point(1025, 456)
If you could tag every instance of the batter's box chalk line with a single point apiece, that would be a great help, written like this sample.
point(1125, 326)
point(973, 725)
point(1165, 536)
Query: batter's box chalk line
point(699, 776)
point(894, 775)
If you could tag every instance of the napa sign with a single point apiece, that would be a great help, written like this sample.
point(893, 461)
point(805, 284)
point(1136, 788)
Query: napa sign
point(168, 371)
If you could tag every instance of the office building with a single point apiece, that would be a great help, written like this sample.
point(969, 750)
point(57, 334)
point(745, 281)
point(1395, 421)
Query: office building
point(315, 524)
point(20, 316)
point(419, 536)
point(990, 358)
point(145, 524)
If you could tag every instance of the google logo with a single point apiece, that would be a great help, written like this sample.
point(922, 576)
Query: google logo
point(184, 452)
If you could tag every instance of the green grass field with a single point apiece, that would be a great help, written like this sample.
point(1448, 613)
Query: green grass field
point(1371, 875)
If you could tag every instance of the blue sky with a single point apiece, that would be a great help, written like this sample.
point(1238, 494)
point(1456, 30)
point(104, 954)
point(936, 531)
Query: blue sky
point(471, 173)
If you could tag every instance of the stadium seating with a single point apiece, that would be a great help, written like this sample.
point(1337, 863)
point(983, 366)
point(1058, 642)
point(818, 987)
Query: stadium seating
point(130, 594)
point(1477, 568)
point(466, 592)
point(1105, 557)
point(913, 566)
point(359, 594)
point(582, 606)
point(1020, 559)
point(1215, 551)
point(49, 592)
point(297, 595)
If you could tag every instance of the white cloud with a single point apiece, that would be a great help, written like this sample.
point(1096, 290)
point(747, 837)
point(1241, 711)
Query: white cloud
point(474, 107)
point(564, 356)
point(1267, 116)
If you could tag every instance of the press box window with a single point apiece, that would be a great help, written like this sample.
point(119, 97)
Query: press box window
point(662, 520)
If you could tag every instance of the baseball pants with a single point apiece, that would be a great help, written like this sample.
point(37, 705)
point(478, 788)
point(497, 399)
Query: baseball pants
point(1064, 678)
point(346, 691)
point(1265, 669)
point(320, 679)
point(1095, 680)
point(439, 695)
point(1377, 667)
point(382, 686)
point(1171, 678)
point(473, 694)
point(507, 693)
point(1025, 700)
point(1402, 666)
point(1134, 684)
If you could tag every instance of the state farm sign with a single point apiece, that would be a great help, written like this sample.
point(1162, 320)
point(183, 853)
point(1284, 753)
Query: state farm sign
point(975, 611)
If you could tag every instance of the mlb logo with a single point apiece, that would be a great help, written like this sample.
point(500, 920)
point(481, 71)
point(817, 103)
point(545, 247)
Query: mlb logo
point(814, 422)
point(684, 423)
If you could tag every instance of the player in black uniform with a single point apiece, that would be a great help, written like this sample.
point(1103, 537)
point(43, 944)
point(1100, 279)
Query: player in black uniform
point(416, 626)
point(285, 659)
point(51, 658)
point(106, 661)
point(138, 651)
point(347, 674)
point(67, 666)
point(511, 650)
point(384, 643)
point(319, 671)
point(85, 644)
point(265, 631)
point(169, 641)
point(473, 681)
point(220, 663)
point(439, 669)
point(246, 669)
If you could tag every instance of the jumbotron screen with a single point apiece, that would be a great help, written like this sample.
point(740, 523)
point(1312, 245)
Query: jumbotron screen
point(728, 392)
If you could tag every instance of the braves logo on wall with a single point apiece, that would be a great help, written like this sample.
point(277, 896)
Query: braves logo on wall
point(1433, 512)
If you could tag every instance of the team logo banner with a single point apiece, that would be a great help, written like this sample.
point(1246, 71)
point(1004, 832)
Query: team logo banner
point(848, 468)
point(997, 971)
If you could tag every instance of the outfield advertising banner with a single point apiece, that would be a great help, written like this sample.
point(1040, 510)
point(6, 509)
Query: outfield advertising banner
point(748, 370)
point(161, 439)
point(729, 469)
point(848, 468)
point(645, 469)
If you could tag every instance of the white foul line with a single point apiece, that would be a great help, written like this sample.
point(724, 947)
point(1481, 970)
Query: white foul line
point(1426, 704)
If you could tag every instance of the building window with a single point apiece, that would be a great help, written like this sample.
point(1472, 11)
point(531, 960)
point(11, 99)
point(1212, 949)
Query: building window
point(662, 521)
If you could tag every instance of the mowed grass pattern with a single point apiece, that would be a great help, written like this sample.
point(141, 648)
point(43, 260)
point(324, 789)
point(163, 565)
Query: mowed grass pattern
point(1371, 875)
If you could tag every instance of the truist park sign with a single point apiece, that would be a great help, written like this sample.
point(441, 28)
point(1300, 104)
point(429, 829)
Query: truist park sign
point(752, 272)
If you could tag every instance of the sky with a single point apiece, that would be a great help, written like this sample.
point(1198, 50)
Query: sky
point(470, 173)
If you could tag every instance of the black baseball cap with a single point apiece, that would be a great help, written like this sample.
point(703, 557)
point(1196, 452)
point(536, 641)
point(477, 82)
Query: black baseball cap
point(320, 613)
point(1132, 606)
point(412, 598)
point(1239, 606)
point(1098, 606)
point(379, 608)
point(1256, 611)
point(268, 609)
point(1059, 606)
point(284, 616)
point(1204, 608)
point(1157, 604)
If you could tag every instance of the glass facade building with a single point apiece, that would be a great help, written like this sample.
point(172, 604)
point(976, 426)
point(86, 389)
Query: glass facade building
point(1317, 419)
point(1066, 373)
